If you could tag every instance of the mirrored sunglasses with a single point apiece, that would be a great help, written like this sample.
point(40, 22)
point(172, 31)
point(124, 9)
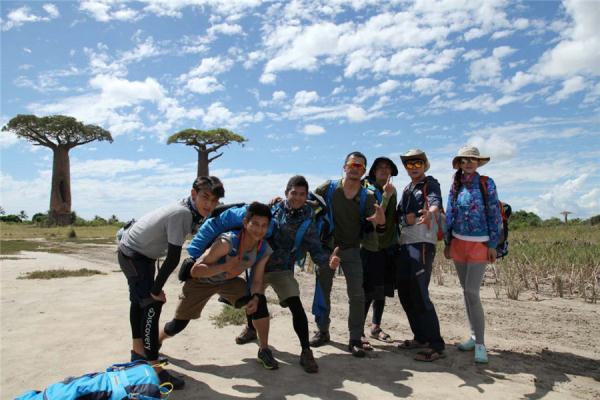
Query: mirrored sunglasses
point(414, 164)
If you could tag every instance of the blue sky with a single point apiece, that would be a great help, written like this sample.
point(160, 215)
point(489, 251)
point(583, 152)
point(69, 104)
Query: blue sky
point(306, 82)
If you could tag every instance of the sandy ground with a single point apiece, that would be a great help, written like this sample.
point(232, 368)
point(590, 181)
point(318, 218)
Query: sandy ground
point(56, 328)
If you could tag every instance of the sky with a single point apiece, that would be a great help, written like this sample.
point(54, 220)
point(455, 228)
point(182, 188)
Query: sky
point(306, 82)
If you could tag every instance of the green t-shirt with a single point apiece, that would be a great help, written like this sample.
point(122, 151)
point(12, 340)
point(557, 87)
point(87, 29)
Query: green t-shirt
point(346, 215)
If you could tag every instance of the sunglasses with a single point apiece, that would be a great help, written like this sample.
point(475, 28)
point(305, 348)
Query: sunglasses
point(467, 160)
point(414, 164)
point(356, 165)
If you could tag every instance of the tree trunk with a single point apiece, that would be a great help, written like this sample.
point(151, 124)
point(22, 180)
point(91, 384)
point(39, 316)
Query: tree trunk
point(60, 194)
point(202, 163)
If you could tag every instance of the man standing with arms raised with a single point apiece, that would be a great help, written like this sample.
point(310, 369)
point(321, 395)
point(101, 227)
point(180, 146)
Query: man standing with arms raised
point(349, 205)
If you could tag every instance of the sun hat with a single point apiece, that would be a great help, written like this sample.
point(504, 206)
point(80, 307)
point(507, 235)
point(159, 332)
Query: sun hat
point(415, 154)
point(378, 159)
point(469, 152)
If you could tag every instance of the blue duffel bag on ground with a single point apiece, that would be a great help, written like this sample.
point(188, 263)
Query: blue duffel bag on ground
point(135, 380)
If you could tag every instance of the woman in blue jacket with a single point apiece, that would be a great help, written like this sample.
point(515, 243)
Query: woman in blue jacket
point(473, 221)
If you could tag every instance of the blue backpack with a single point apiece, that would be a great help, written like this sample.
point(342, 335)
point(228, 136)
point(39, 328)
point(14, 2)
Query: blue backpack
point(135, 380)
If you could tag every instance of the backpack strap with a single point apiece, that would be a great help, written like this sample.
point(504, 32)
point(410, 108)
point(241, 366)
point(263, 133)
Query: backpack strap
point(483, 180)
point(299, 236)
point(362, 203)
point(329, 201)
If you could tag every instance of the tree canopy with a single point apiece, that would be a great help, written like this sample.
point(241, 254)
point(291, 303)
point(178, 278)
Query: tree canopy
point(206, 142)
point(55, 131)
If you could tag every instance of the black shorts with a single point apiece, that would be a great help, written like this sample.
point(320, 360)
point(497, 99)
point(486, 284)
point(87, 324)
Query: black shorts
point(139, 271)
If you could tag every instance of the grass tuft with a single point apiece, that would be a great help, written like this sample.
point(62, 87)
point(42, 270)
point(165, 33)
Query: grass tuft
point(60, 273)
point(229, 316)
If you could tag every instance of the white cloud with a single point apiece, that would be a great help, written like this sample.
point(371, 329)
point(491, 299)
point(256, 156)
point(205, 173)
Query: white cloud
point(107, 10)
point(314, 130)
point(217, 115)
point(350, 112)
point(52, 10)
point(225, 29)
point(488, 70)
point(579, 50)
point(304, 97)
point(569, 87)
point(22, 15)
point(429, 86)
point(573, 195)
point(204, 85)
point(279, 95)
point(383, 88)
point(8, 139)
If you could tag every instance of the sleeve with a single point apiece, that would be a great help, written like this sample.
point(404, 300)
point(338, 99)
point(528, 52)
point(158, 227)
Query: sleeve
point(434, 193)
point(322, 189)
point(312, 243)
point(167, 267)
point(370, 204)
point(179, 224)
point(213, 227)
point(493, 215)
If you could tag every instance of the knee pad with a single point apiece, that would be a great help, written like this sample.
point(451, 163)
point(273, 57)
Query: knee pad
point(175, 326)
point(261, 311)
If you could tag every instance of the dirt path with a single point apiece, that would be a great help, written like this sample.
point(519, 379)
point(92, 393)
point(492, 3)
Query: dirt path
point(56, 328)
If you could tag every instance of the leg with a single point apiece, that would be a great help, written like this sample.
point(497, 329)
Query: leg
point(474, 277)
point(352, 266)
point(325, 276)
point(406, 288)
point(135, 318)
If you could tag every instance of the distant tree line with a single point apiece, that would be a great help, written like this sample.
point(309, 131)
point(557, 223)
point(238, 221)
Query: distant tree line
point(518, 219)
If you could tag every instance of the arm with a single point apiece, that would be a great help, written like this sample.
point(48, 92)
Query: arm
point(213, 227)
point(258, 274)
point(207, 265)
point(450, 211)
point(493, 215)
point(433, 204)
point(319, 253)
point(167, 267)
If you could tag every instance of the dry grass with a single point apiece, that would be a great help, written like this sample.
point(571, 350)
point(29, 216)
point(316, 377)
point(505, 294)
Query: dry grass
point(229, 316)
point(562, 261)
point(60, 273)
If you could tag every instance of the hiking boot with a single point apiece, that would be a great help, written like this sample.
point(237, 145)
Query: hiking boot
point(319, 339)
point(186, 269)
point(265, 357)
point(356, 348)
point(308, 361)
point(246, 336)
point(480, 354)
point(467, 345)
point(165, 377)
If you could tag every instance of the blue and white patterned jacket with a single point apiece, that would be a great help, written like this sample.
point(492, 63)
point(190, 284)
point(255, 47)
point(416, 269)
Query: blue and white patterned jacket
point(467, 216)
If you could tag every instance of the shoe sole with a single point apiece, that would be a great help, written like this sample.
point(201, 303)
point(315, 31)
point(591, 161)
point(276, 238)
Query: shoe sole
point(244, 341)
point(319, 344)
point(265, 366)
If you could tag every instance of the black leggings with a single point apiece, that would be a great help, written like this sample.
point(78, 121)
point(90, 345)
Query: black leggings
point(299, 320)
point(144, 325)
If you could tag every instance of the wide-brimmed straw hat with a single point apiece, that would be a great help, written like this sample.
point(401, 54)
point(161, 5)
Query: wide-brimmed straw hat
point(385, 159)
point(469, 152)
point(415, 154)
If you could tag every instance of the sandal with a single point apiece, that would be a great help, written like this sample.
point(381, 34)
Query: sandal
point(409, 344)
point(430, 355)
point(365, 344)
point(380, 335)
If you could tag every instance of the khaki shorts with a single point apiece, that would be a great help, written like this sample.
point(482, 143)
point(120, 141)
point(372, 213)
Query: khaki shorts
point(195, 295)
point(284, 284)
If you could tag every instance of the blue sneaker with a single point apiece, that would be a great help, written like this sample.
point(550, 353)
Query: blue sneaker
point(467, 345)
point(480, 354)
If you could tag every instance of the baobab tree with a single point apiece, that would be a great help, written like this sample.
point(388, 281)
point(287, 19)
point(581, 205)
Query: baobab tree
point(565, 214)
point(59, 133)
point(206, 142)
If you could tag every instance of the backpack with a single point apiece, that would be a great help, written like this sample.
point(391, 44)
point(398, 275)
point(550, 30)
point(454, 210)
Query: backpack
point(505, 212)
point(121, 231)
point(135, 380)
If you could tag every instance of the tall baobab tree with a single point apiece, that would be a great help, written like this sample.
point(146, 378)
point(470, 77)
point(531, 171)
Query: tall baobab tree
point(60, 134)
point(206, 142)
